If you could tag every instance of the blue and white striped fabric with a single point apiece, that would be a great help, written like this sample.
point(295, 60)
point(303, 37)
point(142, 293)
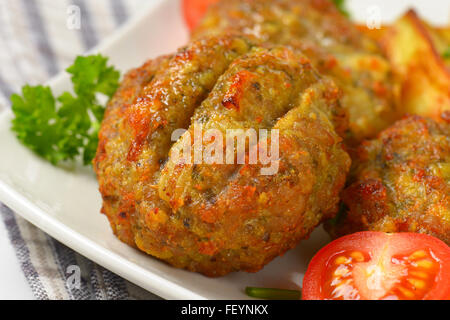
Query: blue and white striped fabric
point(36, 43)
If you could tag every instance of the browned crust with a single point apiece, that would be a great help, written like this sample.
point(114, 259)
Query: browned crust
point(239, 233)
point(400, 182)
point(118, 206)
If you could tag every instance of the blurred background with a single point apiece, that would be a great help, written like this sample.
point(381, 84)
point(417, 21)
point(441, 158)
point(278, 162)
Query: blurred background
point(41, 37)
point(38, 38)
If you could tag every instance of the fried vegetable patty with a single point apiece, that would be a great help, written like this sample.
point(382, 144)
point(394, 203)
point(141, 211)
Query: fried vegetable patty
point(218, 218)
point(401, 182)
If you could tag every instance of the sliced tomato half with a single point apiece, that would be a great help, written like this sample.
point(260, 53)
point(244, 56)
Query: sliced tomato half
point(194, 11)
point(380, 266)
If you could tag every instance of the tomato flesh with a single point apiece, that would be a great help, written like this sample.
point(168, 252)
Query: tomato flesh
point(194, 11)
point(401, 278)
point(379, 266)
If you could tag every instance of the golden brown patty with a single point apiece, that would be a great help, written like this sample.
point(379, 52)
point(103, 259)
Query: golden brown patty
point(118, 199)
point(212, 218)
point(334, 45)
point(401, 182)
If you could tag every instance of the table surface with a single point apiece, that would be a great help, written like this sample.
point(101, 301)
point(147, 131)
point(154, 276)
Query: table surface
point(13, 284)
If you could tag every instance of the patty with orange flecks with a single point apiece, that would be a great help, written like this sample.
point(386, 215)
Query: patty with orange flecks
point(219, 218)
point(400, 182)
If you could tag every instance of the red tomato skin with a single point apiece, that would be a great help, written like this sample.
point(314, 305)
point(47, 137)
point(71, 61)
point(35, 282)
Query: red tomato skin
point(364, 241)
point(194, 11)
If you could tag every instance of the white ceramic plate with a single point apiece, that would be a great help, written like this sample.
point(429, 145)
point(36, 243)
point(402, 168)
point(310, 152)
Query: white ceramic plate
point(66, 203)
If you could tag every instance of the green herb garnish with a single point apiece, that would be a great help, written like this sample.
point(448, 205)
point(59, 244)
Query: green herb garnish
point(60, 129)
point(273, 294)
point(340, 216)
point(340, 4)
point(446, 54)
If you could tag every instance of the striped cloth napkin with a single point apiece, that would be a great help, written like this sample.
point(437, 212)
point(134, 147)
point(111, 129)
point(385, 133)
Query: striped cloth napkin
point(36, 43)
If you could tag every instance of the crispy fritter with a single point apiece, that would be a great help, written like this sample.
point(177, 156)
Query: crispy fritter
point(232, 218)
point(401, 182)
point(335, 46)
point(117, 193)
point(239, 218)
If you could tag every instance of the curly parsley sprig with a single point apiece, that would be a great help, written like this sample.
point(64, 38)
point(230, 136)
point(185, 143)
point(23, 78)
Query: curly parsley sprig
point(63, 128)
point(446, 54)
point(340, 4)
